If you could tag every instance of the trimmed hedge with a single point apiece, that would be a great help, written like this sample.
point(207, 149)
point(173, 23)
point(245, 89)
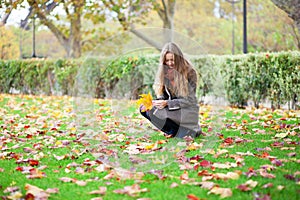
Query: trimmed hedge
point(239, 78)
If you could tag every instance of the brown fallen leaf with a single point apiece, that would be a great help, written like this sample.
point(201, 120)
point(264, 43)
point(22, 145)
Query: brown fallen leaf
point(60, 157)
point(267, 185)
point(249, 185)
point(224, 165)
point(265, 174)
point(66, 179)
point(292, 154)
point(35, 173)
point(133, 190)
point(207, 185)
point(35, 192)
point(11, 189)
point(184, 176)
point(229, 175)
point(173, 185)
point(52, 190)
point(101, 191)
point(223, 192)
point(80, 183)
point(244, 187)
point(204, 173)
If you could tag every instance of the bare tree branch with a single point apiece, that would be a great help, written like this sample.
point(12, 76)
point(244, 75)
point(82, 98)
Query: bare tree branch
point(145, 38)
point(292, 8)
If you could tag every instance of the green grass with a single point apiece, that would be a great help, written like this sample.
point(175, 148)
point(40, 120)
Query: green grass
point(47, 127)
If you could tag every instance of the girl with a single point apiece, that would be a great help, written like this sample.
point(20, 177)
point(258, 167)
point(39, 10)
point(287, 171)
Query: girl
point(176, 110)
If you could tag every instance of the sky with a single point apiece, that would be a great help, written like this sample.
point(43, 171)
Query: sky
point(16, 17)
point(18, 14)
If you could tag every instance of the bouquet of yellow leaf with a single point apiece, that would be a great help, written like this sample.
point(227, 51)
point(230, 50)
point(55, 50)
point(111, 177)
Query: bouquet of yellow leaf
point(146, 101)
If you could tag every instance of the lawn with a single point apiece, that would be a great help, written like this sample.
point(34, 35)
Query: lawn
point(70, 148)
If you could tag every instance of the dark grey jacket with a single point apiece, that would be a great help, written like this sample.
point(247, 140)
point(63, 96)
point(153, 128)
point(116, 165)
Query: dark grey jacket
point(183, 111)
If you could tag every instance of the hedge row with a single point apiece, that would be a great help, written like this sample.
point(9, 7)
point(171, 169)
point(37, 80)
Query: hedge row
point(240, 78)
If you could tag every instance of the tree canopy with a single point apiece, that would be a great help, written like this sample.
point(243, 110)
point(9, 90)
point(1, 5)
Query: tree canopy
point(80, 24)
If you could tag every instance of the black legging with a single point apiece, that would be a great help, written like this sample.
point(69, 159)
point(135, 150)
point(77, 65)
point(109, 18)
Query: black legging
point(170, 127)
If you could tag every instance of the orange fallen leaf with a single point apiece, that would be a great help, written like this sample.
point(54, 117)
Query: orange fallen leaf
point(192, 197)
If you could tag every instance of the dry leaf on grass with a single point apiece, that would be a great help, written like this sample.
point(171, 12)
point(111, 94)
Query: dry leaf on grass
point(133, 190)
point(223, 192)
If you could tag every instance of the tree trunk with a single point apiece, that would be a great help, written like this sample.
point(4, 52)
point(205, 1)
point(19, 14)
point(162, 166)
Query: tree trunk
point(145, 38)
point(5, 17)
point(71, 43)
point(63, 40)
point(292, 8)
point(166, 13)
point(75, 34)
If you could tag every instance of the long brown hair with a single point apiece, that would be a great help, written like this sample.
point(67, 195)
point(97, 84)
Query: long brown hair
point(183, 68)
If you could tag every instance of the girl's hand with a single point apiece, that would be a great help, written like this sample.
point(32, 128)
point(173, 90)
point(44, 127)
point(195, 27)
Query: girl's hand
point(160, 104)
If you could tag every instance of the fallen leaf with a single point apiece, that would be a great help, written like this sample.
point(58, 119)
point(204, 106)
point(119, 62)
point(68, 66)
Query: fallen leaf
point(80, 183)
point(97, 198)
point(35, 192)
point(292, 154)
point(280, 187)
point(207, 185)
point(52, 190)
point(173, 185)
point(265, 174)
point(101, 191)
point(35, 173)
point(251, 183)
point(192, 197)
point(222, 165)
point(184, 176)
point(205, 163)
point(66, 179)
point(133, 190)
point(267, 185)
point(223, 192)
point(244, 187)
point(282, 135)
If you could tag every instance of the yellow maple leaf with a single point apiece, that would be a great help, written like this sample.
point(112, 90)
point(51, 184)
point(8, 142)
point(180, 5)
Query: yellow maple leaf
point(146, 100)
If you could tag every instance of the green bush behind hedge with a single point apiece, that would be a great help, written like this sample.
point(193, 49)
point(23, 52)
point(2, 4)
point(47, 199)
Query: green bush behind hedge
point(239, 78)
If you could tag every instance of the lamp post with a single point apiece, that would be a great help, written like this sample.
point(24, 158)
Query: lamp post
point(33, 38)
point(245, 48)
point(232, 18)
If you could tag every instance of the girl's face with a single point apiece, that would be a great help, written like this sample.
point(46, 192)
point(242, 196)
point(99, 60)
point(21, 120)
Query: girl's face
point(169, 66)
point(169, 60)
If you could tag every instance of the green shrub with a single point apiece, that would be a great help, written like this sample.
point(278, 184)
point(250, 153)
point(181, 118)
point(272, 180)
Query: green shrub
point(239, 78)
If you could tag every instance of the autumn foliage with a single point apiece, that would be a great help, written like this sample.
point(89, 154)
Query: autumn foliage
point(146, 101)
point(246, 153)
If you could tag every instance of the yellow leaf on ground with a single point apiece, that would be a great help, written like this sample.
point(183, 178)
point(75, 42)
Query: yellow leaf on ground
point(282, 135)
